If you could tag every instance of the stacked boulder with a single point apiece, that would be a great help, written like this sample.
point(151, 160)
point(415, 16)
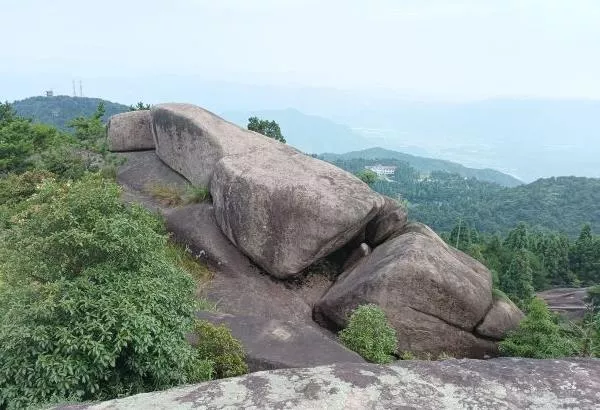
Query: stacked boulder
point(286, 210)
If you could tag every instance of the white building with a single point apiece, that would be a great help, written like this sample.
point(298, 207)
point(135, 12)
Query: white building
point(382, 170)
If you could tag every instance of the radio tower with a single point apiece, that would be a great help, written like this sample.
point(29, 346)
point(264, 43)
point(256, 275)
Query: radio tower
point(74, 93)
point(80, 89)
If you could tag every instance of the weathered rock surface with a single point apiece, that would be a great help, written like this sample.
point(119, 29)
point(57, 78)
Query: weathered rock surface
point(389, 222)
point(238, 287)
point(275, 344)
point(503, 317)
point(285, 211)
point(130, 131)
point(568, 302)
point(451, 384)
point(191, 140)
point(431, 295)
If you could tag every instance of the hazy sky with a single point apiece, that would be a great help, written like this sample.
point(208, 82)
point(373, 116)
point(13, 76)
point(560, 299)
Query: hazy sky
point(445, 49)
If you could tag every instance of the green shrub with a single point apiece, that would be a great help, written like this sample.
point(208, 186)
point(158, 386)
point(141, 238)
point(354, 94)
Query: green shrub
point(216, 344)
point(91, 306)
point(369, 334)
point(539, 336)
point(196, 194)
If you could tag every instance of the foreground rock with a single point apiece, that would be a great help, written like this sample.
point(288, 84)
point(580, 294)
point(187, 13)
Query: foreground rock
point(433, 295)
point(286, 211)
point(130, 131)
point(275, 344)
point(191, 140)
point(567, 302)
point(451, 384)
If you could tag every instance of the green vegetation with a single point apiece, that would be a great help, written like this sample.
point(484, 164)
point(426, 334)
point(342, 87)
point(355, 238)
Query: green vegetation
point(140, 106)
point(58, 111)
point(441, 200)
point(367, 176)
point(540, 336)
point(91, 305)
point(268, 128)
point(369, 334)
point(217, 345)
point(528, 260)
point(95, 302)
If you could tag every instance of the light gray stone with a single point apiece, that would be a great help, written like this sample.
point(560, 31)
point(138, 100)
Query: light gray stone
point(276, 344)
point(450, 384)
point(287, 210)
point(130, 131)
point(191, 140)
point(503, 317)
point(567, 302)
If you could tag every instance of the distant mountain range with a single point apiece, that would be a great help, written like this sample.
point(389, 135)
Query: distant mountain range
point(314, 134)
point(427, 165)
point(61, 109)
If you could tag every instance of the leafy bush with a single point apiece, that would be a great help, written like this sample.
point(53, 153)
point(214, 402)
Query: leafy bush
point(539, 336)
point(91, 307)
point(367, 176)
point(369, 334)
point(216, 344)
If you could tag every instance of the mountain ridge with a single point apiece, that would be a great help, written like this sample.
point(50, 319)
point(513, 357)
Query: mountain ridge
point(427, 165)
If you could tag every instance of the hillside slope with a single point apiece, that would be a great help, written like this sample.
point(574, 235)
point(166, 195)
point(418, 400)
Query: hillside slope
point(428, 165)
point(61, 109)
point(443, 199)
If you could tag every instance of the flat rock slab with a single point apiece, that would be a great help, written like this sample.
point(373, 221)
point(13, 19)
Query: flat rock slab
point(275, 344)
point(452, 384)
point(568, 302)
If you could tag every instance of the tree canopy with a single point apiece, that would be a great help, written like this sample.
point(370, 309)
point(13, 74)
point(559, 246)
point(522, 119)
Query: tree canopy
point(265, 127)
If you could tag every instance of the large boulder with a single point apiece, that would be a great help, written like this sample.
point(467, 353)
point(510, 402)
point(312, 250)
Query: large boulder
point(191, 140)
point(432, 295)
point(287, 210)
point(450, 384)
point(130, 131)
point(275, 344)
point(503, 317)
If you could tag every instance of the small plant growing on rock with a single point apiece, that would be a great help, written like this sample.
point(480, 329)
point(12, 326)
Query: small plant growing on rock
point(370, 335)
point(196, 194)
point(216, 344)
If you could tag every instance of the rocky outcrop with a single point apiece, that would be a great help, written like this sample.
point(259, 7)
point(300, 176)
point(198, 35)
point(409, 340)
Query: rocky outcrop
point(431, 297)
point(278, 211)
point(191, 140)
point(567, 302)
point(503, 317)
point(450, 384)
point(286, 211)
point(130, 131)
point(276, 344)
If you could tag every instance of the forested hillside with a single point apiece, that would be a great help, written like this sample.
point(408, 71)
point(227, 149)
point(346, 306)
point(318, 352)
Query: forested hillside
point(61, 109)
point(442, 200)
point(426, 165)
